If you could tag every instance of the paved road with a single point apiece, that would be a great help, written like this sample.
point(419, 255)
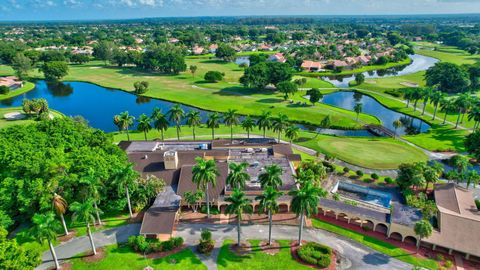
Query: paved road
point(354, 255)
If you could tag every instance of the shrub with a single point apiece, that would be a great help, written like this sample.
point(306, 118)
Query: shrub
point(206, 244)
point(141, 87)
point(177, 241)
point(440, 257)
point(315, 254)
point(359, 173)
point(4, 90)
point(156, 246)
point(206, 235)
point(389, 180)
point(375, 176)
point(168, 245)
point(448, 264)
point(213, 76)
point(346, 169)
point(139, 243)
point(477, 203)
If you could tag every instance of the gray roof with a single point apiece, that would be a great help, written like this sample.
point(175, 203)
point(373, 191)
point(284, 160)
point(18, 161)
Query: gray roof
point(167, 199)
point(360, 211)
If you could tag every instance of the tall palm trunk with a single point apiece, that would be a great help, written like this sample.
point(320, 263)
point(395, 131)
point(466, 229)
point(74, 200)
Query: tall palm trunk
point(178, 131)
point(248, 133)
point(238, 229)
point(163, 139)
point(424, 107)
point(415, 106)
point(279, 132)
point(193, 130)
point(91, 239)
point(408, 102)
point(128, 135)
point(458, 118)
point(128, 202)
point(300, 229)
point(64, 224)
point(231, 133)
point(97, 212)
point(213, 134)
point(435, 111)
point(264, 132)
point(207, 198)
point(418, 244)
point(269, 227)
point(54, 255)
point(145, 134)
point(445, 118)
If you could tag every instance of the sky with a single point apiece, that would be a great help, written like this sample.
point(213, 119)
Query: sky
point(34, 10)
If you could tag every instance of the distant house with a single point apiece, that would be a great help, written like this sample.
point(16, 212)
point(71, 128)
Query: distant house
point(351, 61)
point(173, 40)
point(213, 48)
point(265, 47)
point(11, 82)
point(197, 50)
point(335, 64)
point(278, 57)
point(312, 66)
point(363, 59)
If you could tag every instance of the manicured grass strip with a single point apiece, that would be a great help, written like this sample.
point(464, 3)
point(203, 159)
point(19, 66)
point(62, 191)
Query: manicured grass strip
point(27, 86)
point(257, 259)
point(4, 123)
point(440, 138)
point(378, 245)
point(123, 257)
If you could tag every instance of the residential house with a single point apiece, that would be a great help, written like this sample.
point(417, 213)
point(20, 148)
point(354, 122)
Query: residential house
point(312, 66)
point(278, 57)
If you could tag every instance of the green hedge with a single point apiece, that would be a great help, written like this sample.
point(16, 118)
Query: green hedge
point(315, 254)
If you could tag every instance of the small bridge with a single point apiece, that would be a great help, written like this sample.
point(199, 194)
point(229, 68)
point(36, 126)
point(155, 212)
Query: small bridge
point(380, 130)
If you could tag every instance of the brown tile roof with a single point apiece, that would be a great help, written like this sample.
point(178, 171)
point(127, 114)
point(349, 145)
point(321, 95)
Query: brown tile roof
point(158, 221)
point(185, 182)
point(458, 220)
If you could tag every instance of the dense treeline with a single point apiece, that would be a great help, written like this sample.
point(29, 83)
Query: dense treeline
point(39, 160)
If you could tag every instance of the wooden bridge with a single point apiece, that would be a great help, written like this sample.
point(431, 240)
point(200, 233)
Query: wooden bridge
point(380, 130)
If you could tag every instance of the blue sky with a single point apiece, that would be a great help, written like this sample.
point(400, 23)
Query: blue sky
point(119, 9)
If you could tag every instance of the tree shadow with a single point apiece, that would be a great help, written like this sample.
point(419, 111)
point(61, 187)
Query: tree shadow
point(270, 100)
point(376, 259)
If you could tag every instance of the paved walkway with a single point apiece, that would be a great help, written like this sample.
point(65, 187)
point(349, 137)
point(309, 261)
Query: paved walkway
point(352, 254)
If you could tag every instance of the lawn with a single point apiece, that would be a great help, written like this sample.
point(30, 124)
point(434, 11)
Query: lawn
point(378, 245)
point(257, 259)
point(4, 123)
point(440, 138)
point(374, 153)
point(27, 86)
point(123, 257)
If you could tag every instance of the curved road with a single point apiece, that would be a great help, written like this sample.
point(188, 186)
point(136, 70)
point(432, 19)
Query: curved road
point(353, 254)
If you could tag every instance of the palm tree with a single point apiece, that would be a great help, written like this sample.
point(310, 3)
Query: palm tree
point(248, 124)
point(397, 124)
point(84, 212)
point(205, 173)
point(358, 108)
point(92, 185)
point(472, 177)
point(160, 121)
point(271, 177)
point(408, 94)
point(279, 124)
point(431, 176)
point(474, 115)
point(60, 206)
point(125, 178)
point(230, 118)
point(192, 198)
point(305, 203)
point(264, 122)
point(237, 176)
point(193, 120)
point(426, 94)
point(239, 204)
point(175, 114)
point(213, 122)
point(416, 96)
point(292, 133)
point(436, 99)
point(463, 103)
point(423, 229)
point(45, 227)
point(447, 105)
point(144, 124)
point(124, 120)
point(268, 203)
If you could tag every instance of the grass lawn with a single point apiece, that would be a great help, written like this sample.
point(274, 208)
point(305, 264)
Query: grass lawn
point(221, 96)
point(257, 259)
point(314, 83)
point(374, 153)
point(4, 123)
point(123, 257)
point(440, 138)
point(27, 86)
point(378, 245)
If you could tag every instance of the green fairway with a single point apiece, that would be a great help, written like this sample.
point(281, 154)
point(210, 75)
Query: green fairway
point(4, 123)
point(122, 257)
point(440, 138)
point(378, 245)
point(257, 259)
point(374, 153)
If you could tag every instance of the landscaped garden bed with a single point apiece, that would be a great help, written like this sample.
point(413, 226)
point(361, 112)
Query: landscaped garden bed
point(314, 254)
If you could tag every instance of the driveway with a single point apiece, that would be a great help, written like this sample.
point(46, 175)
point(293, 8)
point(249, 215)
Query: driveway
point(354, 255)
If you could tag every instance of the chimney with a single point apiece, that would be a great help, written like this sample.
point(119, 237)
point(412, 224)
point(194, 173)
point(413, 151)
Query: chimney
point(170, 159)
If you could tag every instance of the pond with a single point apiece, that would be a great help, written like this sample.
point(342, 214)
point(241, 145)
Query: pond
point(419, 63)
point(348, 99)
point(96, 104)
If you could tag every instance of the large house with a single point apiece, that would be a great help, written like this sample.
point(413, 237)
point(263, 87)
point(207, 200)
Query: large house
point(458, 221)
point(11, 82)
point(173, 162)
point(312, 66)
